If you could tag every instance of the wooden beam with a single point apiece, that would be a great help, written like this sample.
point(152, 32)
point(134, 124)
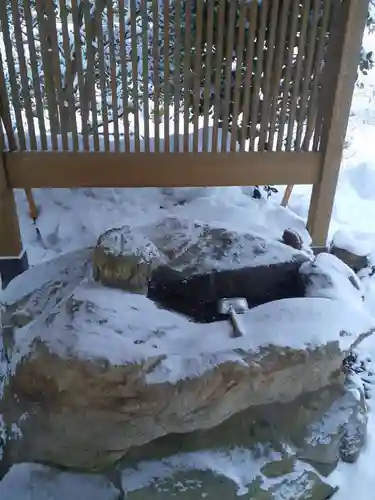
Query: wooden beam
point(100, 169)
point(10, 234)
point(342, 66)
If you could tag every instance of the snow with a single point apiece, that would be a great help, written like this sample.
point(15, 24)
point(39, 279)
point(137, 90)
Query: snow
point(73, 219)
point(345, 240)
point(38, 482)
point(229, 208)
point(238, 465)
point(329, 277)
point(126, 328)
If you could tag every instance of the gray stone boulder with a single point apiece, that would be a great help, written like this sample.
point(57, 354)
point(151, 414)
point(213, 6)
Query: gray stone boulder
point(353, 252)
point(100, 371)
point(327, 276)
point(279, 479)
point(36, 482)
point(188, 266)
point(125, 259)
point(209, 262)
point(340, 432)
point(44, 287)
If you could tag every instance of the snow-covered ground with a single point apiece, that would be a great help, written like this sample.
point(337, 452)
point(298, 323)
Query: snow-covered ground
point(71, 219)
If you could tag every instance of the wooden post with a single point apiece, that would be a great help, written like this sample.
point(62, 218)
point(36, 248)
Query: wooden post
point(10, 235)
point(340, 78)
point(13, 259)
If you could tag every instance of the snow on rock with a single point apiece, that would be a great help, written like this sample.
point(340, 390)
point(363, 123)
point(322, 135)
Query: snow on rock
point(195, 246)
point(28, 481)
point(110, 370)
point(338, 432)
point(228, 474)
point(74, 218)
point(125, 258)
point(327, 276)
point(94, 323)
point(46, 280)
point(347, 240)
point(353, 251)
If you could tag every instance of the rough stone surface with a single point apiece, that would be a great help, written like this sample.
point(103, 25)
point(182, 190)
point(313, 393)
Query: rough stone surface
point(207, 263)
point(249, 457)
point(82, 399)
point(45, 286)
point(91, 372)
point(354, 261)
point(195, 485)
point(36, 482)
point(329, 277)
point(125, 259)
point(339, 433)
point(293, 239)
point(350, 250)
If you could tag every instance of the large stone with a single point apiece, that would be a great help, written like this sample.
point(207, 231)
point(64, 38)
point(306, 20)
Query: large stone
point(353, 252)
point(208, 262)
point(298, 484)
point(102, 371)
point(125, 259)
point(340, 432)
point(327, 276)
point(36, 482)
point(45, 286)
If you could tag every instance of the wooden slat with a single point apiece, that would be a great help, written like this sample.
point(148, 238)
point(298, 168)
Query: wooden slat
point(5, 112)
point(268, 75)
point(307, 71)
point(298, 74)
point(277, 72)
point(325, 93)
point(261, 37)
point(112, 61)
point(292, 38)
point(68, 83)
point(90, 79)
point(319, 66)
point(342, 62)
point(124, 76)
point(10, 234)
point(64, 169)
point(102, 77)
point(47, 48)
point(187, 77)
point(209, 64)
point(167, 74)
point(23, 74)
point(230, 28)
point(197, 74)
point(33, 59)
point(250, 51)
point(240, 44)
point(56, 72)
point(77, 20)
point(176, 73)
point(145, 76)
point(134, 58)
point(12, 75)
point(219, 19)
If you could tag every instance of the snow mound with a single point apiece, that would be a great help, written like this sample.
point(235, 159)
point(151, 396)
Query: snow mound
point(97, 322)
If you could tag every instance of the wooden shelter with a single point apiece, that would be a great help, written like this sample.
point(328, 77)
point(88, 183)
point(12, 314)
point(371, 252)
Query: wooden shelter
point(135, 93)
